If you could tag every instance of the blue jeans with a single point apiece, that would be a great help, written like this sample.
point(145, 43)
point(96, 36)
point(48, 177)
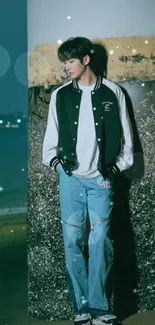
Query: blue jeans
point(79, 196)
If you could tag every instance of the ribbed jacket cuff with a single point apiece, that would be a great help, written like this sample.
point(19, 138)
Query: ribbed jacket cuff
point(115, 170)
point(54, 162)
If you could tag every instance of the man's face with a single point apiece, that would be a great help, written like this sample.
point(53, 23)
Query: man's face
point(75, 68)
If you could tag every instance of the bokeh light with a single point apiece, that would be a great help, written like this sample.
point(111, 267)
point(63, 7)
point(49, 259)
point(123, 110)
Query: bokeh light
point(5, 61)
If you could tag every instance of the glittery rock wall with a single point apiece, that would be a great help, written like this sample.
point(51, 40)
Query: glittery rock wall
point(133, 225)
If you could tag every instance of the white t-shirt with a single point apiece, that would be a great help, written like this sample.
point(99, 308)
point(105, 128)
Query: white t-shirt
point(86, 149)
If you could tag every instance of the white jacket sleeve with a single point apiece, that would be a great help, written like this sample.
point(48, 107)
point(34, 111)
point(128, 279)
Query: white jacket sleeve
point(125, 158)
point(50, 142)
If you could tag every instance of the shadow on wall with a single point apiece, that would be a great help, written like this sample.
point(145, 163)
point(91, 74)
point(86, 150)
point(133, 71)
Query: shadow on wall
point(124, 275)
point(100, 60)
point(125, 271)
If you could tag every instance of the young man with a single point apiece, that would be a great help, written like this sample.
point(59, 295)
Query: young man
point(88, 141)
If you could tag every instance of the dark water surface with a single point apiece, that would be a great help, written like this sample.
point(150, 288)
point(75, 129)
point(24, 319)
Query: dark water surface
point(13, 168)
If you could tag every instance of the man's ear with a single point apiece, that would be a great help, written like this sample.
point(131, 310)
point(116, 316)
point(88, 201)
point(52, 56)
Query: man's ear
point(86, 60)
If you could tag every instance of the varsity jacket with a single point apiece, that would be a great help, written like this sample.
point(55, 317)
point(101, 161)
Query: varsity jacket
point(111, 123)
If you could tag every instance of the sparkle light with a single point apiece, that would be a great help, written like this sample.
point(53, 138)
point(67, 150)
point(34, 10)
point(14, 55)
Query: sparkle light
point(1, 188)
point(8, 125)
point(18, 121)
point(11, 230)
point(143, 84)
point(59, 41)
point(5, 58)
point(23, 169)
point(134, 51)
point(117, 47)
point(1, 121)
point(84, 301)
point(111, 52)
point(69, 17)
point(46, 86)
point(146, 41)
point(15, 125)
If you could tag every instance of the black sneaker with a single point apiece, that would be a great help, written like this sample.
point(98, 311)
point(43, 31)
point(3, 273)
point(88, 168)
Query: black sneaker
point(105, 320)
point(82, 319)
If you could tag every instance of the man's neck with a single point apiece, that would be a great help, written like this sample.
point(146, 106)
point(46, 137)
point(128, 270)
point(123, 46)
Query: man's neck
point(87, 79)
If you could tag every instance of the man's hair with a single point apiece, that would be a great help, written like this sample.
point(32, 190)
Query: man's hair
point(75, 47)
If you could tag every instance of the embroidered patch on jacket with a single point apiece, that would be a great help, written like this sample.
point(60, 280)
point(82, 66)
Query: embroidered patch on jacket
point(107, 106)
point(103, 183)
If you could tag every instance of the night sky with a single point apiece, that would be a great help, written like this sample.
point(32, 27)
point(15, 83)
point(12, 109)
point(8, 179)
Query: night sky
point(13, 61)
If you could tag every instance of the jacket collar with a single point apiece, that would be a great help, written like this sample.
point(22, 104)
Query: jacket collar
point(97, 85)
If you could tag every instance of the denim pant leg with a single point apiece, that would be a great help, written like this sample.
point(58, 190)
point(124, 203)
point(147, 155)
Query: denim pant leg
point(100, 204)
point(73, 215)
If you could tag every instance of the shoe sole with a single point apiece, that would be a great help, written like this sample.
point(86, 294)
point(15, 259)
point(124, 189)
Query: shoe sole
point(96, 322)
point(88, 323)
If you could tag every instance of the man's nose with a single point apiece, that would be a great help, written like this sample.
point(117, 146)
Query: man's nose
point(67, 66)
